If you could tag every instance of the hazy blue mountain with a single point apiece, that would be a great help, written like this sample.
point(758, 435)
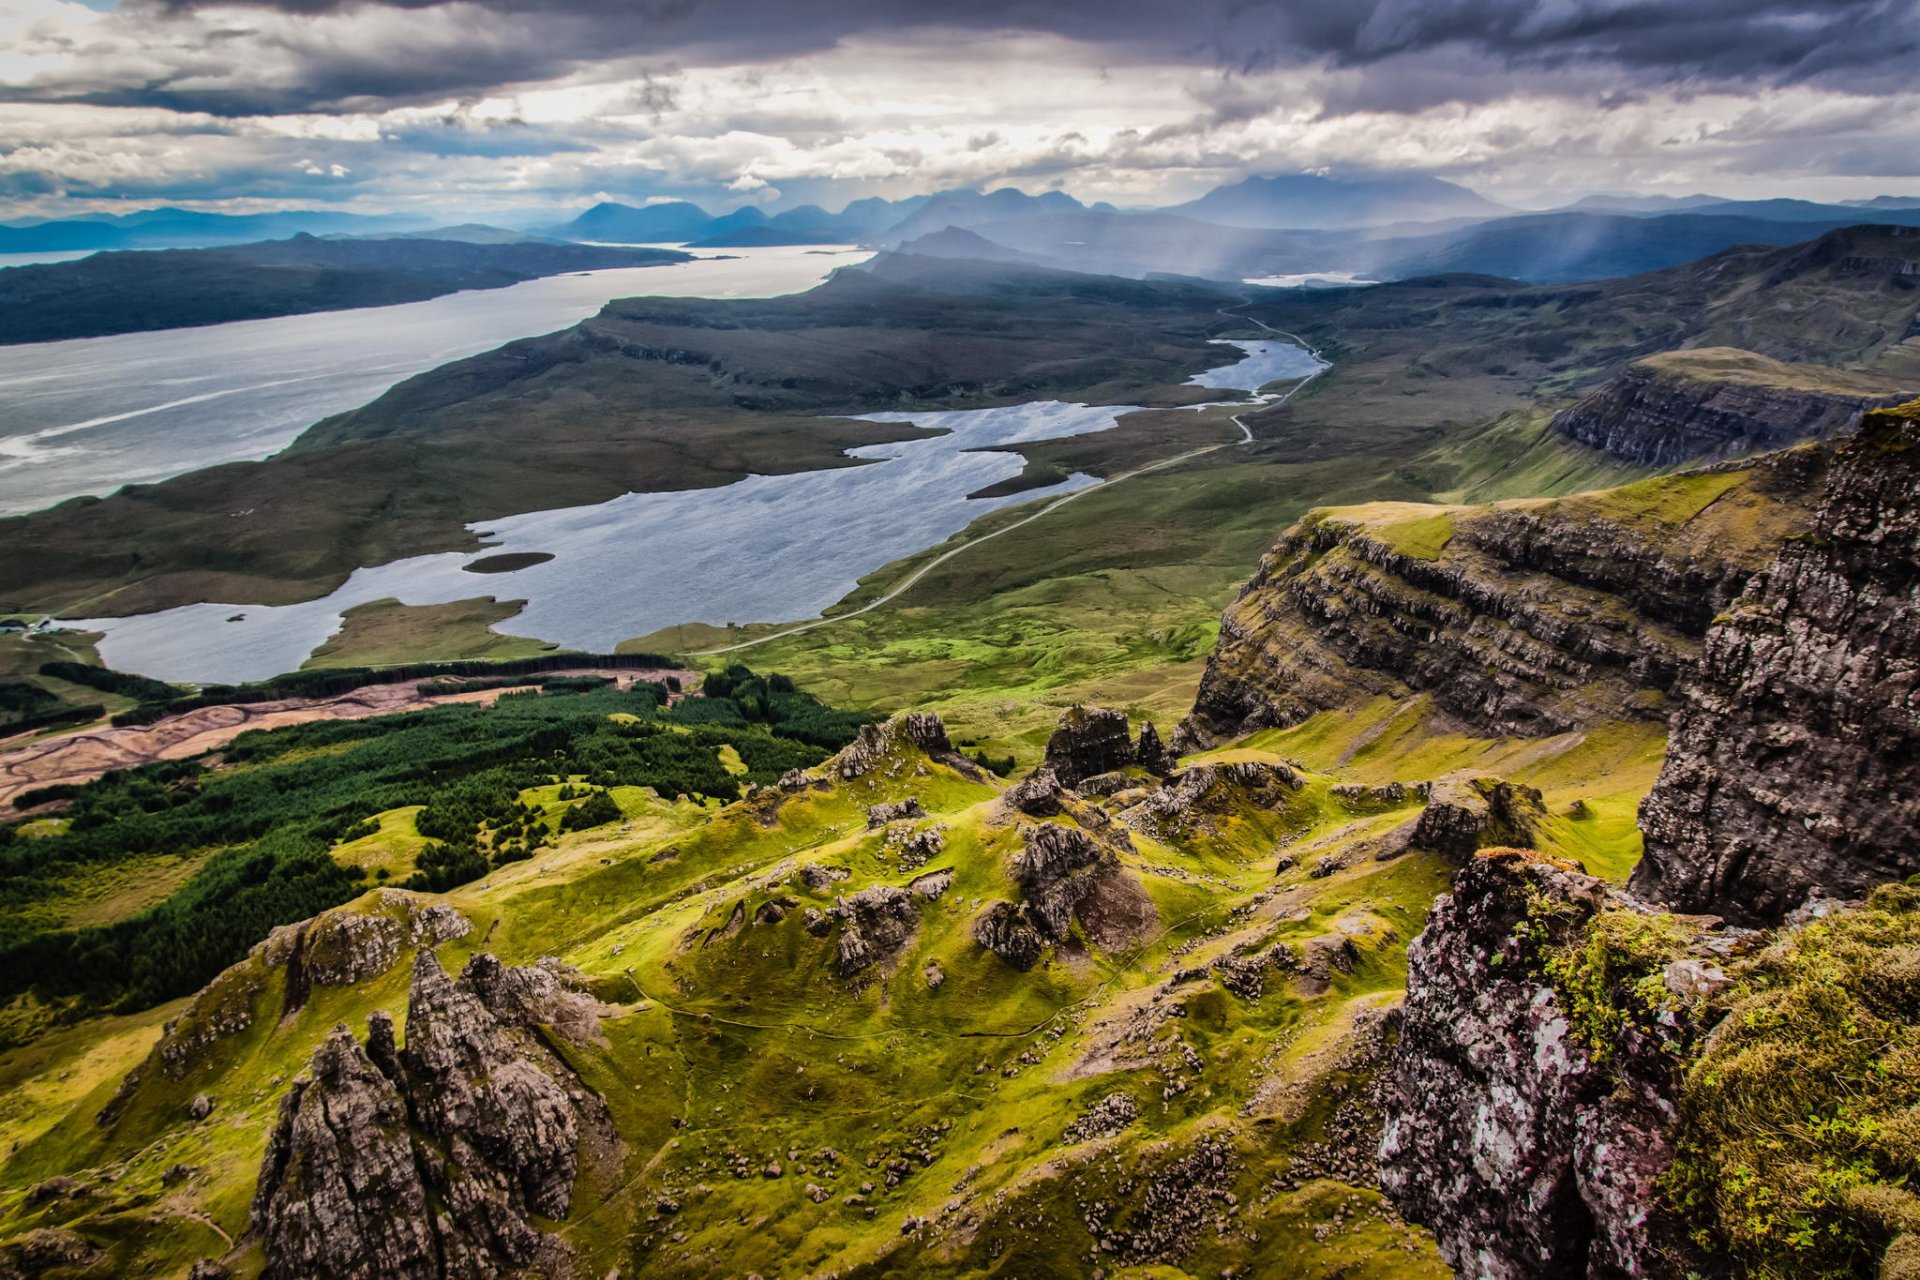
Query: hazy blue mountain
point(613, 223)
point(1307, 201)
point(1630, 203)
point(185, 228)
point(1589, 246)
point(973, 208)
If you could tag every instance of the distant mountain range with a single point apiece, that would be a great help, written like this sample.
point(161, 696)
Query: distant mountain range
point(1538, 248)
point(185, 228)
point(1391, 225)
point(1308, 201)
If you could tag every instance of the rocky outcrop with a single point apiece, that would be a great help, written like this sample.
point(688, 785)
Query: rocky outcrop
point(1525, 618)
point(1151, 753)
point(1065, 875)
point(875, 926)
point(1794, 761)
point(1089, 741)
point(1466, 813)
point(1530, 1155)
point(1009, 930)
point(1197, 799)
point(879, 745)
point(1656, 417)
point(346, 945)
point(1056, 869)
point(340, 1193)
point(880, 815)
point(433, 1159)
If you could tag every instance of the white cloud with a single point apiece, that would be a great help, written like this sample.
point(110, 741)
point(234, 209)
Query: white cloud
point(868, 115)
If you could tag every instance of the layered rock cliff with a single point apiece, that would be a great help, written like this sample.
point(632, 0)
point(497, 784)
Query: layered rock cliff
point(1718, 403)
point(1529, 617)
point(1794, 762)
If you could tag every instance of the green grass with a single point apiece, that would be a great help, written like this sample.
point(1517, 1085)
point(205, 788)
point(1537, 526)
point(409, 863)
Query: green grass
point(386, 632)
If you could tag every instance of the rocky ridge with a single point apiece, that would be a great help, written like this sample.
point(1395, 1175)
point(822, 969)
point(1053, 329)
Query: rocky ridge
point(1523, 618)
point(430, 1160)
point(1532, 1153)
point(1655, 417)
point(1794, 762)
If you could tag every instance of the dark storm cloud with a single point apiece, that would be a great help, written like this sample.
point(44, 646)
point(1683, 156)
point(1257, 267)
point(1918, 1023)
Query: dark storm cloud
point(1388, 44)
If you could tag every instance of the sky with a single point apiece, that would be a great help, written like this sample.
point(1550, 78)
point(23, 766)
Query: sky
point(452, 108)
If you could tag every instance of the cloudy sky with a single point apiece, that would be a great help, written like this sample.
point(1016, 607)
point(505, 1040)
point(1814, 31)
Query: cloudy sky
point(485, 106)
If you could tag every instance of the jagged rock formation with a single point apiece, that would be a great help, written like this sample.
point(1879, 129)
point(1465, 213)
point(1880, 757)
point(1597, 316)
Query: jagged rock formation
point(1466, 813)
point(1088, 741)
point(1519, 618)
point(879, 743)
point(1194, 799)
point(1656, 415)
point(875, 925)
point(1528, 1156)
point(1151, 753)
point(1065, 875)
point(347, 945)
point(430, 1160)
point(1794, 762)
point(336, 948)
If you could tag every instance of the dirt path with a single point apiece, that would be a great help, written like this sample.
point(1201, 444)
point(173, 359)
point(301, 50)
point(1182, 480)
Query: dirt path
point(86, 754)
point(907, 583)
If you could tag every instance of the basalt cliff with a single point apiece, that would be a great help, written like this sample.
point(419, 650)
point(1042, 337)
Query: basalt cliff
point(1701, 405)
point(1529, 617)
point(1794, 766)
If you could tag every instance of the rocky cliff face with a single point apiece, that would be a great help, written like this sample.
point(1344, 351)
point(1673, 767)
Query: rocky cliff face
point(1657, 418)
point(431, 1160)
point(1794, 762)
point(1518, 618)
point(1531, 1152)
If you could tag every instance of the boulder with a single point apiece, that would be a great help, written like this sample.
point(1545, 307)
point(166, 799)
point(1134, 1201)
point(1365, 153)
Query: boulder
point(1089, 741)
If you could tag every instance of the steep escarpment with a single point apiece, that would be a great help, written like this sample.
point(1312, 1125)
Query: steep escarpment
point(1715, 403)
point(1794, 763)
point(430, 1160)
point(1532, 1146)
point(1587, 1087)
point(1525, 617)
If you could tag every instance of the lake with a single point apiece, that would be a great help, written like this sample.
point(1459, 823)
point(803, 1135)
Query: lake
point(91, 414)
point(765, 549)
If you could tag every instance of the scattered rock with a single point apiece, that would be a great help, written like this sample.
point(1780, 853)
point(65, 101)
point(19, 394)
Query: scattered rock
point(1103, 1119)
point(201, 1107)
point(880, 815)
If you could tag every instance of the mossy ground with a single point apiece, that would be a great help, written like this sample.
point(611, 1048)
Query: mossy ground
point(732, 1043)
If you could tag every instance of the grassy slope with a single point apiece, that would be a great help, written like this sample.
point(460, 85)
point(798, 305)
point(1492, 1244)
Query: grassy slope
point(749, 1046)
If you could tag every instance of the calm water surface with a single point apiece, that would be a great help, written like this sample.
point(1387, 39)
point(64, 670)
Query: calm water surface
point(89, 415)
point(769, 548)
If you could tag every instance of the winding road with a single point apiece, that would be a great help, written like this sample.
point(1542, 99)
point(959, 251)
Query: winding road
point(907, 583)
